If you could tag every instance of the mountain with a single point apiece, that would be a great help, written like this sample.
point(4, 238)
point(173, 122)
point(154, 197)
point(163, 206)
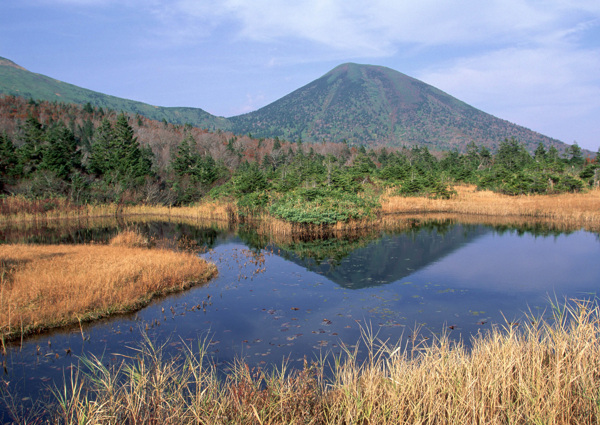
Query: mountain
point(17, 81)
point(368, 104)
point(363, 104)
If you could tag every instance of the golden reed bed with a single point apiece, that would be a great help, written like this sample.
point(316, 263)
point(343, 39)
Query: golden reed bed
point(569, 209)
point(46, 286)
point(541, 372)
point(577, 208)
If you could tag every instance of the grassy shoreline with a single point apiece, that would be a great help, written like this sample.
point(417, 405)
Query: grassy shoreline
point(50, 286)
point(543, 371)
point(575, 209)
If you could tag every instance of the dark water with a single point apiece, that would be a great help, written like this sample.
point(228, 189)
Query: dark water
point(304, 299)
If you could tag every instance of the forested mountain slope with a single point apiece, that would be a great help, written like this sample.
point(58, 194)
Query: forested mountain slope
point(374, 105)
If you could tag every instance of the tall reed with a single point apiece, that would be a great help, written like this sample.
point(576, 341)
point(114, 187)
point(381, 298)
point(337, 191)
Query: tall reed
point(543, 371)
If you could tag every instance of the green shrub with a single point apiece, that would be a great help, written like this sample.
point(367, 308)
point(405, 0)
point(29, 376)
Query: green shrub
point(322, 205)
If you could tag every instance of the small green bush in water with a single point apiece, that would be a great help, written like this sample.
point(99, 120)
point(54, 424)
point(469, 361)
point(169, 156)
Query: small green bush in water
point(322, 206)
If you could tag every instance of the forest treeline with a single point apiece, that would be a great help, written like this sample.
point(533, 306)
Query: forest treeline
point(90, 155)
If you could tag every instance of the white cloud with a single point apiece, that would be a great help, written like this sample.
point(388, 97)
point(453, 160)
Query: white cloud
point(378, 26)
point(545, 87)
point(253, 102)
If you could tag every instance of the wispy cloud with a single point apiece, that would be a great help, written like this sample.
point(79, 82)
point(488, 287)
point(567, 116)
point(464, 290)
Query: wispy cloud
point(378, 26)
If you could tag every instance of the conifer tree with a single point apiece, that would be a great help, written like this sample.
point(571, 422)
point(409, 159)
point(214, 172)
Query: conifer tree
point(540, 153)
point(103, 154)
point(576, 155)
point(117, 155)
point(8, 159)
point(61, 154)
point(32, 150)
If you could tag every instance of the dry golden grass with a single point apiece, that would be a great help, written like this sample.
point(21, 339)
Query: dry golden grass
point(14, 209)
point(18, 209)
point(581, 209)
point(541, 372)
point(45, 286)
point(537, 373)
point(208, 210)
point(283, 230)
point(569, 210)
point(129, 238)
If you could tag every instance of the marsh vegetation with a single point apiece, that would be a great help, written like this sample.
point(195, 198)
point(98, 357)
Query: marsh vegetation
point(543, 371)
point(372, 327)
point(48, 286)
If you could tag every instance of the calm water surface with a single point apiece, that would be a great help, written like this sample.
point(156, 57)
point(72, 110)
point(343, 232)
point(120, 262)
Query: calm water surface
point(302, 300)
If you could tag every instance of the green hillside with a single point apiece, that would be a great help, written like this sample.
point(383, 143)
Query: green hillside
point(17, 81)
point(362, 104)
point(367, 104)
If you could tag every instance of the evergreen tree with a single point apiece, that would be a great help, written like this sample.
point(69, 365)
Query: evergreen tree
point(576, 155)
point(362, 166)
point(31, 152)
point(185, 159)
point(249, 178)
point(103, 152)
point(276, 144)
point(117, 155)
point(540, 153)
point(8, 159)
point(61, 153)
point(383, 156)
point(512, 155)
point(552, 156)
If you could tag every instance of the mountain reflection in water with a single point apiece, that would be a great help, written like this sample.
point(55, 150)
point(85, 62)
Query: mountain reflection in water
point(391, 257)
point(276, 300)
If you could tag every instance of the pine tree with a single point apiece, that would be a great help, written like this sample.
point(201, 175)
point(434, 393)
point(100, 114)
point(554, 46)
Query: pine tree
point(576, 155)
point(31, 152)
point(540, 153)
point(61, 153)
point(8, 159)
point(103, 155)
point(117, 155)
point(184, 160)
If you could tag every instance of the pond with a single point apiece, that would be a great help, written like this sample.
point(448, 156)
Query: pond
point(291, 300)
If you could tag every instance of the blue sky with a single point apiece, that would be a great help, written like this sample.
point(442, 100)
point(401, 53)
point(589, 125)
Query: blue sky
point(532, 62)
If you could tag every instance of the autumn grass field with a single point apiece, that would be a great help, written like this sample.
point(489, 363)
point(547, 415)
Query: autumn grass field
point(48, 286)
point(544, 371)
point(579, 209)
point(575, 210)
point(538, 372)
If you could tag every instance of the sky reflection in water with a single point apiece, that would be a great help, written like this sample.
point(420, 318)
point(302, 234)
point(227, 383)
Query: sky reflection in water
point(299, 301)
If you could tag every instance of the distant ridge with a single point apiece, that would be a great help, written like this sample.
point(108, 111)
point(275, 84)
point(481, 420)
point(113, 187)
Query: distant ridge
point(7, 62)
point(360, 104)
point(17, 81)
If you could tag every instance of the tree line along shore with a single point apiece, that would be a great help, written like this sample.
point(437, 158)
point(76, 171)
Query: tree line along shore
point(71, 156)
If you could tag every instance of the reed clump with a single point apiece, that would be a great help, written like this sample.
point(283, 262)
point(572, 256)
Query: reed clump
point(541, 371)
point(129, 238)
point(46, 286)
